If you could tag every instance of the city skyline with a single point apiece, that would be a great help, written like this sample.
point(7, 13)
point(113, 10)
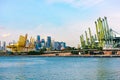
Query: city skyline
point(33, 44)
point(64, 20)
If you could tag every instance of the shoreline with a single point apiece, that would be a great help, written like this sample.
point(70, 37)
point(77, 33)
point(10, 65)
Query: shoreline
point(79, 56)
point(82, 56)
point(67, 54)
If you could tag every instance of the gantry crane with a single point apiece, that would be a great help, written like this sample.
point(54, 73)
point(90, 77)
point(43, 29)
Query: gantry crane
point(104, 35)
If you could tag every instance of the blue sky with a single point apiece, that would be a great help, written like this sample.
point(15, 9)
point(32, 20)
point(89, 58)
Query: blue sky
point(64, 20)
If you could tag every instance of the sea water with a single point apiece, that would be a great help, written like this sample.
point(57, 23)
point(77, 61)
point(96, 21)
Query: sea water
point(59, 68)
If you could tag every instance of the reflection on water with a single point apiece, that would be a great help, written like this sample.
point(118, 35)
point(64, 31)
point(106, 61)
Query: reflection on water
point(59, 68)
point(20, 63)
point(103, 72)
point(107, 69)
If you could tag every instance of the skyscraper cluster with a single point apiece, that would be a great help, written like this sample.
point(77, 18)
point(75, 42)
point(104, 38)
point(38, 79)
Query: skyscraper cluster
point(26, 45)
point(49, 44)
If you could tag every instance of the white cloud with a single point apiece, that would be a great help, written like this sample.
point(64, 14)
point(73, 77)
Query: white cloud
point(113, 16)
point(114, 22)
point(77, 3)
point(6, 35)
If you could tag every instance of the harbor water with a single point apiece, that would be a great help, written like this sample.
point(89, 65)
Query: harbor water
point(58, 68)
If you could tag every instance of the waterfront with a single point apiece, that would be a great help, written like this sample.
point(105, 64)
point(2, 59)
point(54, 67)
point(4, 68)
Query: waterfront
point(59, 68)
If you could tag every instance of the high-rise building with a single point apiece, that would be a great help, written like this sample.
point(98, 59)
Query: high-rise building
point(42, 43)
point(48, 44)
point(38, 41)
point(38, 38)
point(4, 45)
point(36, 45)
point(57, 46)
point(52, 44)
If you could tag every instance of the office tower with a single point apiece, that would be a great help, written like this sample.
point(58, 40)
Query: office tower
point(36, 45)
point(38, 38)
point(38, 41)
point(48, 44)
point(57, 46)
point(4, 45)
point(42, 43)
point(52, 44)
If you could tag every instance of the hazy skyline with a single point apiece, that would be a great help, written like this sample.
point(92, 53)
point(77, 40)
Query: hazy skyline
point(63, 20)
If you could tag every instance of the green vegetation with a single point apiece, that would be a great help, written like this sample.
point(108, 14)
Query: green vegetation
point(75, 52)
point(41, 51)
point(34, 53)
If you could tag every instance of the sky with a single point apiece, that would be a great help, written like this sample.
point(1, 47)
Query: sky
point(63, 20)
